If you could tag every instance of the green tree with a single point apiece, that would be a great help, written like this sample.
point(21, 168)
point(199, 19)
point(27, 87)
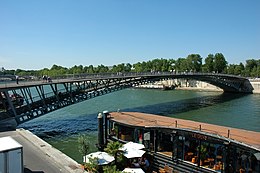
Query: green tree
point(171, 64)
point(220, 63)
point(137, 67)
point(252, 67)
point(83, 144)
point(209, 63)
point(113, 149)
point(231, 69)
point(128, 67)
point(102, 69)
point(194, 62)
point(181, 65)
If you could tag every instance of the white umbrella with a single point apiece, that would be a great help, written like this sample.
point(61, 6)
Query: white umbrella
point(133, 153)
point(133, 170)
point(132, 145)
point(257, 155)
point(103, 158)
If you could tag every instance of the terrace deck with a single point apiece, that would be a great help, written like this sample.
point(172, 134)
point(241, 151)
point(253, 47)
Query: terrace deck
point(149, 120)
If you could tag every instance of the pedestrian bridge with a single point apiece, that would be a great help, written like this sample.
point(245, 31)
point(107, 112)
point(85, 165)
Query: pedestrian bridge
point(30, 99)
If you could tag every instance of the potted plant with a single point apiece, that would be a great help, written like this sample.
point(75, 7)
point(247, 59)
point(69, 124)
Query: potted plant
point(113, 149)
point(203, 153)
point(92, 165)
point(83, 146)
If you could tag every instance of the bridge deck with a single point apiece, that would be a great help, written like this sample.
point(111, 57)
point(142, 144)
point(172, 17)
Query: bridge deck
point(148, 120)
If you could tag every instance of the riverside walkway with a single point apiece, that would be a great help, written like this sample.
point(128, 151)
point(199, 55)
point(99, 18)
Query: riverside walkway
point(41, 157)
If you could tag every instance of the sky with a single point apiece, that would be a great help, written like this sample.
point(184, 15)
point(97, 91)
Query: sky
point(36, 34)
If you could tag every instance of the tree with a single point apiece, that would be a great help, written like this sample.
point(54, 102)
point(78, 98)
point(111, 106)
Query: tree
point(194, 62)
point(171, 64)
point(231, 69)
point(252, 67)
point(137, 67)
point(181, 65)
point(220, 63)
point(83, 144)
point(102, 69)
point(90, 69)
point(113, 149)
point(128, 67)
point(238, 69)
point(209, 63)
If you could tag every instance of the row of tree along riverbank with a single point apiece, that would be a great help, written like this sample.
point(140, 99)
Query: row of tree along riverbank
point(192, 63)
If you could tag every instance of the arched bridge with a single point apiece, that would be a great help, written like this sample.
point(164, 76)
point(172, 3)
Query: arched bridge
point(27, 100)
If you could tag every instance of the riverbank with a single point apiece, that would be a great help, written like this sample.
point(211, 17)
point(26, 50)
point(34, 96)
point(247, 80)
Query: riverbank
point(183, 84)
point(39, 156)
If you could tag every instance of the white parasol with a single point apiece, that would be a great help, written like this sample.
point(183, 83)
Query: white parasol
point(103, 158)
point(133, 153)
point(134, 145)
point(133, 170)
point(132, 150)
point(257, 155)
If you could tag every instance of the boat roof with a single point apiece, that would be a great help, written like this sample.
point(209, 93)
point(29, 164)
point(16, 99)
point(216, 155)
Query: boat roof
point(137, 119)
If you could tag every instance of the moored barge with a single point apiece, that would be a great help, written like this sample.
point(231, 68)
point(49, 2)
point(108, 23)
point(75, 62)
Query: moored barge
point(184, 145)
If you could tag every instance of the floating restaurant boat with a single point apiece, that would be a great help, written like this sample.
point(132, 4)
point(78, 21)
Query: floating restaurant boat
point(183, 145)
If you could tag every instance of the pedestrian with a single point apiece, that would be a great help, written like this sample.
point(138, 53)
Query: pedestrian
point(17, 79)
point(145, 164)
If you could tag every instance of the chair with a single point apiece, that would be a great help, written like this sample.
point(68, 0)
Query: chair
point(168, 169)
point(194, 159)
point(161, 170)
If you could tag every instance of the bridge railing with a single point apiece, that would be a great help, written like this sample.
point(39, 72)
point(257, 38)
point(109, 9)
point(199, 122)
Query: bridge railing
point(70, 77)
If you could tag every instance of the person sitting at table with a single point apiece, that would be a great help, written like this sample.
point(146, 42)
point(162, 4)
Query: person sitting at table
point(145, 164)
point(135, 164)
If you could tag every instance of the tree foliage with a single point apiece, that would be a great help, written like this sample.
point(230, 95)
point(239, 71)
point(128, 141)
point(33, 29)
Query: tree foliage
point(220, 63)
point(192, 63)
point(83, 144)
point(209, 63)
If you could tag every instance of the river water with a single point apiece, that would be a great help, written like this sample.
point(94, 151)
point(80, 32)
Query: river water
point(61, 128)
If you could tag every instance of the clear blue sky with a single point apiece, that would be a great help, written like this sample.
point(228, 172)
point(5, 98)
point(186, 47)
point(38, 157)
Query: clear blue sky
point(39, 33)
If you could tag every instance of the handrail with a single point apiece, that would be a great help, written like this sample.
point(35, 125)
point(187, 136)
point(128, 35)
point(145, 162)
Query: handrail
point(85, 76)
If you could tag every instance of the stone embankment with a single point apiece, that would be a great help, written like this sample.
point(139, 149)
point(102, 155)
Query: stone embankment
point(256, 85)
point(182, 84)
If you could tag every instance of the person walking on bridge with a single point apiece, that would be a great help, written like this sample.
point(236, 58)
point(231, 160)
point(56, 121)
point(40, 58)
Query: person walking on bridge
point(17, 79)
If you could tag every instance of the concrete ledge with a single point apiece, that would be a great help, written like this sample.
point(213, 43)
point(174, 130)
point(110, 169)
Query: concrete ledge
point(65, 163)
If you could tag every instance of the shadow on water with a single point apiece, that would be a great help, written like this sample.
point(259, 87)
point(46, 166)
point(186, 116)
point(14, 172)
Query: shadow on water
point(186, 105)
point(62, 127)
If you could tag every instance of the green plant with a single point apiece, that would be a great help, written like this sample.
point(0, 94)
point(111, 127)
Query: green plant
point(111, 169)
point(203, 152)
point(83, 145)
point(113, 149)
point(92, 165)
